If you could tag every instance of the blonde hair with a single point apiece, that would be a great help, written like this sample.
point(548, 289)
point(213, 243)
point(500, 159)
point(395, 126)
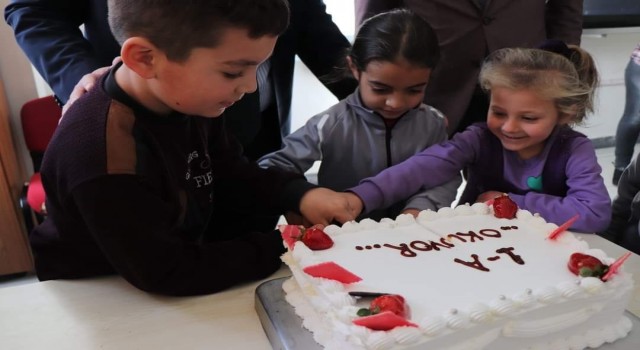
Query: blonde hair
point(569, 81)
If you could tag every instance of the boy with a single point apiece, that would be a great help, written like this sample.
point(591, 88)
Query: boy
point(138, 164)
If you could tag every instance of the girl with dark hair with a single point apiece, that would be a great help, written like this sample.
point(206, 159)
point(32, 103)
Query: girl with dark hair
point(383, 122)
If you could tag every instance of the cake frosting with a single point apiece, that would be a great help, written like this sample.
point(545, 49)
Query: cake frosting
point(471, 280)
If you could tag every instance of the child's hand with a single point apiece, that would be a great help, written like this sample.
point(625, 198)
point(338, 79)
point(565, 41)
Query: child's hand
point(489, 195)
point(355, 203)
point(323, 206)
point(295, 219)
point(411, 211)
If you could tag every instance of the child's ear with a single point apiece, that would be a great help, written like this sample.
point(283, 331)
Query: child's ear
point(354, 70)
point(568, 116)
point(565, 119)
point(141, 56)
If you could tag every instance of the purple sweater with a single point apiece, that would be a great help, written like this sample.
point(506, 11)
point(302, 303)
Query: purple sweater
point(586, 194)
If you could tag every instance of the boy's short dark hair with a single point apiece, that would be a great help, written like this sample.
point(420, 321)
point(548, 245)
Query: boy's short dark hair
point(178, 26)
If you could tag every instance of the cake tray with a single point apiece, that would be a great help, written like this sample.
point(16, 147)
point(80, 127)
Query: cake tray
point(285, 332)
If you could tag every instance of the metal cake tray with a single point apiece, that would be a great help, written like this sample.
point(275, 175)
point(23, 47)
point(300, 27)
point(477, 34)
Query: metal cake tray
point(285, 332)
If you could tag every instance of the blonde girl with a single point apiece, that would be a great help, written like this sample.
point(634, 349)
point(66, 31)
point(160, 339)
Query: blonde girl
point(526, 148)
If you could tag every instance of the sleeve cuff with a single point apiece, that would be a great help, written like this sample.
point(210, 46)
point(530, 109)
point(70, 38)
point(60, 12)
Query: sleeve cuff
point(293, 192)
point(370, 196)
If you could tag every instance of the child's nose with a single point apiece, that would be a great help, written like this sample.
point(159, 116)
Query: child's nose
point(248, 85)
point(395, 101)
point(510, 125)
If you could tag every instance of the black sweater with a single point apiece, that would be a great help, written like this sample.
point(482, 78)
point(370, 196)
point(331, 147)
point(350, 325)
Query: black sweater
point(131, 192)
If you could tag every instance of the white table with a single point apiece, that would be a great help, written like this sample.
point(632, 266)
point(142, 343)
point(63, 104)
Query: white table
point(108, 313)
point(632, 265)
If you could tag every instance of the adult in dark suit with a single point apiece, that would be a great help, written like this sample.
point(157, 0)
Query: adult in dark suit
point(468, 30)
point(48, 32)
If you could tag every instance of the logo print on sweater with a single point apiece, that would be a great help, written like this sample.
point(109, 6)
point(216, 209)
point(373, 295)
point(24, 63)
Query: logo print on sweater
point(202, 168)
point(535, 183)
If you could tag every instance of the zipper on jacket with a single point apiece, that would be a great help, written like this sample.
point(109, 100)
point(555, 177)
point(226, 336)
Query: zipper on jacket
point(388, 126)
point(387, 141)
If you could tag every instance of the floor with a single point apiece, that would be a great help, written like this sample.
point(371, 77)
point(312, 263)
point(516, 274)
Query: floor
point(605, 158)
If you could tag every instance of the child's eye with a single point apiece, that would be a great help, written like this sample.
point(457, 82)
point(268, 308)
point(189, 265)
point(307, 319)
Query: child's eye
point(379, 90)
point(232, 75)
point(529, 118)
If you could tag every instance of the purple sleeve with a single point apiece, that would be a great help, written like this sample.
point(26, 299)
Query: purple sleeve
point(587, 195)
point(432, 167)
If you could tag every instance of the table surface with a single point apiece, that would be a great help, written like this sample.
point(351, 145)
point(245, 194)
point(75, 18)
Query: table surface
point(109, 313)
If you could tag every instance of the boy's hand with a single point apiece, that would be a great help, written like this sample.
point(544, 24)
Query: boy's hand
point(295, 219)
point(323, 206)
point(355, 203)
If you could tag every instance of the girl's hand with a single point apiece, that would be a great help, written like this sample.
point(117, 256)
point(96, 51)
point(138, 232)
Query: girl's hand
point(487, 196)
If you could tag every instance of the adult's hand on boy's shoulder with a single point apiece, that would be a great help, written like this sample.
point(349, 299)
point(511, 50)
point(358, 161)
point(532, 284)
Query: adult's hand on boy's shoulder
point(324, 206)
point(86, 83)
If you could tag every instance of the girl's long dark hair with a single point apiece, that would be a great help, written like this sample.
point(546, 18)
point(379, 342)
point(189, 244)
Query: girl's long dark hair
point(392, 36)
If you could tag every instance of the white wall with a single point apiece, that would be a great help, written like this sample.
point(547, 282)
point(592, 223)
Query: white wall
point(342, 12)
point(611, 49)
point(15, 74)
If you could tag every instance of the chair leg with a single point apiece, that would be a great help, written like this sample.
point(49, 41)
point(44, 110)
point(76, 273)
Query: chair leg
point(39, 218)
point(27, 213)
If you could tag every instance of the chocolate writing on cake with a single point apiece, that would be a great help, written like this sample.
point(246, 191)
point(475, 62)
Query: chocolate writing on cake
point(476, 264)
point(413, 248)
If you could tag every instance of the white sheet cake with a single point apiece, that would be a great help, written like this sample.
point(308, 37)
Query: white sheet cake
point(471, 280)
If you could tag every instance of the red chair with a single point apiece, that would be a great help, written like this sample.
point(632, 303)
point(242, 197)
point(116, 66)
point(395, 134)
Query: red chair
point(39, 120)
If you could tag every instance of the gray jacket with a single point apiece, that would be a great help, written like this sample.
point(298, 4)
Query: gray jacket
point(353, 143)
point(626, 205)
